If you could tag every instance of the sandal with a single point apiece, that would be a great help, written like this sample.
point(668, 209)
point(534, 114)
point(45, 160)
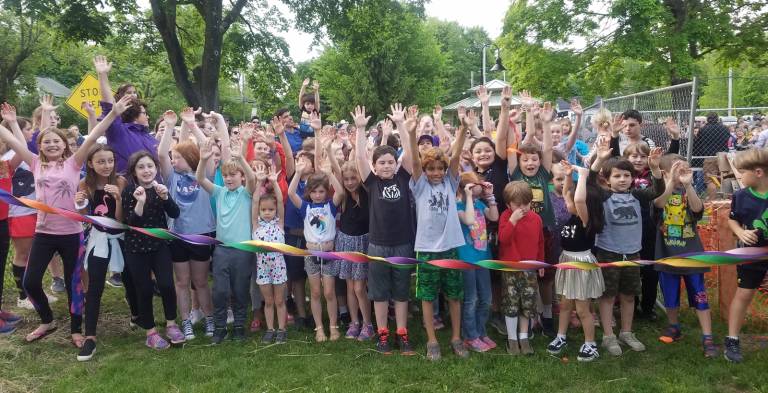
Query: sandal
point(320, 334)
point(39, 333)
point(78, 340)
point(334, 331)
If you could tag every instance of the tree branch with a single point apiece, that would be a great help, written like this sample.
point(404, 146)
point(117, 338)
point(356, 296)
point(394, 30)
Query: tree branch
point(232, 15)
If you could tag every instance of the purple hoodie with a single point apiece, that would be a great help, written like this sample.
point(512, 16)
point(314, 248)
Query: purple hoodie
point(127, 138)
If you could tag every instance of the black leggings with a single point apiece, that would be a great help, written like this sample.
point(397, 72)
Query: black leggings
point(44, 246)
point(97, 273)
point(5, 241)
point(141, 267)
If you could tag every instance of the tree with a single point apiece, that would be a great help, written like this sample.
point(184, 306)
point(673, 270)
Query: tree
point(463, 49)
point(24, 38)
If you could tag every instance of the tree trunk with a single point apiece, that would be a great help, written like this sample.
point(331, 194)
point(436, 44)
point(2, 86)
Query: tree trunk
point(211, 62)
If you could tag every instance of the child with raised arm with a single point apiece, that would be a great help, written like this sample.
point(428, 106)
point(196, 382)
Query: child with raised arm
point(271, 274)
point(232, 267)
point(309, 104)
point(434, 182)
point(57, 175)
point(619, 240)
point(677, 212)
point(749, 222)
point(391, 224)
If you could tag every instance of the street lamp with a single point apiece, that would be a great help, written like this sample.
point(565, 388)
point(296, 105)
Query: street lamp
point(496, 67)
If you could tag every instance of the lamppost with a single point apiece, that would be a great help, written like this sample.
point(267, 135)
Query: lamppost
point(496, 67)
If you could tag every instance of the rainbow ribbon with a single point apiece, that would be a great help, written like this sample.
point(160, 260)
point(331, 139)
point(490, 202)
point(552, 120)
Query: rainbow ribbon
point(690, 260)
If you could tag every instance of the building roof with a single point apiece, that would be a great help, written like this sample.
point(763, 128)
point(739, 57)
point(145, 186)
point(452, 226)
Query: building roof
point(52, 87)
point(494, 91)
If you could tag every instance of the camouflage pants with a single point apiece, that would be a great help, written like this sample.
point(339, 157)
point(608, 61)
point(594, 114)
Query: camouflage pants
point(520, 293)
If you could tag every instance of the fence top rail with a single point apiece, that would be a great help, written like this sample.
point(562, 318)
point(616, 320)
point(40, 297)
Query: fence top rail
point(643, 93)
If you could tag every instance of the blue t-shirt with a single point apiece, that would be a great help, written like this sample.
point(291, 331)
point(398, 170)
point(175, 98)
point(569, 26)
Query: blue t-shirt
point(293, 217)
point(294, 139)
point(194, 202)
point(476, 236)
point(233, 220)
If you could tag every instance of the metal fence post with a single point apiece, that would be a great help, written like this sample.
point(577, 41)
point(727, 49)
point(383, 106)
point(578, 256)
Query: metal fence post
point(692, 119)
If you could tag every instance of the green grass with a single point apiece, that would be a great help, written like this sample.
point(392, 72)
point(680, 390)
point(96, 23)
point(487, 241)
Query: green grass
point(123, 364)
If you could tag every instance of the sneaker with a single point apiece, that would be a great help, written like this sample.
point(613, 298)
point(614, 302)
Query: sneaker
point(9, 318)
point(476, 345)
point(51, 298)
point(382, 344)
point(345, 318)
point(459, 349)
point(433, 351)
point(175, 335)
point(210, 327)
point(438, 323)
point(132, 323)
point(557, 345)
point(710, 350)
point(631, 341)
point(548, 327)
point(6, 329)
point(255, 325)
point(366, 333)
point(196, 316)
point(353, 331)
point(238, 333)
point(186, 327)
point(115, 281)
point(25, 304)
point(732, 351)
point(670, 335)
point(612, 345)
point(219, 335)
point(513, 347)
point(587, 353)
point(230, 317)
point(57, 285)
point(87, 351)
point(649, 316)
point(156, 342)
point(525, 346)
point(405, 345)
point(298, 322)
point(268, 337)
point(488, 342)
point(499, 324)
point(281, 337)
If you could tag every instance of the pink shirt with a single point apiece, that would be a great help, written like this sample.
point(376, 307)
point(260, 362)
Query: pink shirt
point(56, 186)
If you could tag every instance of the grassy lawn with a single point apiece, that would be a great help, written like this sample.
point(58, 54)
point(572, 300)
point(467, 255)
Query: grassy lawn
point(123, 364)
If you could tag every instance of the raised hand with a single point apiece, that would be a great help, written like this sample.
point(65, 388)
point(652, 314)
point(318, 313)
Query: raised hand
point(386, 127)
point(261, 173)
point(315, 85)
point(618, 123)
point(482, 95)
point(305, 83)
point(535, 110)
point(46, 101)
point(162, 191)
point(302, 168)
point(170, 118)
point(397, 113)
point(140, 194)
point(246, 130)
point(277, 126)
point(514, 116)
point(359, 118)
point(547, 112)
point(469, 120)
point(187, 115)
point(315, 121)
point(526, 100)
point(673, 130)
point(8, 112)
point(506, 96)
point(88, 108)
point(604, 148)
point(655, 157)
point(437, 113)
point(101, 65)
point(122, 105)
point(576, 107)
point(685, 175)
point(567, 167)
point(206, 149)
point(272, 177)
point(461, 111)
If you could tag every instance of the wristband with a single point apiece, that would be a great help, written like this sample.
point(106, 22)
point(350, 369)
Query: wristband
point(82, 206)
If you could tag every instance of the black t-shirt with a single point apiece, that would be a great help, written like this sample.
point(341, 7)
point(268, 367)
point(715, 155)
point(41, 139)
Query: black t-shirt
point(103, 204)
point(355, 217)
point(498, 175)
point(574, 237)
point(750, 209)
point(391, 215)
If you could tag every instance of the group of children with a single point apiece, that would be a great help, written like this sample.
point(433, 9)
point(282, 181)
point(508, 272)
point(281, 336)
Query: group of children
point(470, 195)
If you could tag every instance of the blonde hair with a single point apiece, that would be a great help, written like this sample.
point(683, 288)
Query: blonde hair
point(602, 119)
point(517, 192)
point(62, 134)
point(752, 159)
point(231, 167)
point(636, 148)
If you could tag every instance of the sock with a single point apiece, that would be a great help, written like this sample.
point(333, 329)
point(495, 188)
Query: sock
point(523, 336)
point(547, 313)
point(705, 337)
point(511, 327)
point(561, 336)
point(592, 343)
point(18, 276)
point(733, 338)
point(383, 332)
point(343, 310)
point(402, 331)
point(675, 325)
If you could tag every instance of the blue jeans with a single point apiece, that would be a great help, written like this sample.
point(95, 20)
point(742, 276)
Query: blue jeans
point(477, 303)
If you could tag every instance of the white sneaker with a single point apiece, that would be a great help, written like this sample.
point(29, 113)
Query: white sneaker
point(230, 317)
point(631, 341)
point(196, 316)
point(25, 304)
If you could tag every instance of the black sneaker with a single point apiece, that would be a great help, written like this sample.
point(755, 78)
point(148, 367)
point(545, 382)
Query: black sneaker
point(497, 322)
point(115, 281)
point(309, 323)
point(268, 337)
point(238, 333)
point(405, 345)
point(382, 344)
point(557, 345)
point(587, 353)
point(345, 318)
point(548, 327)
point(733, 350)
point(87, 351)
point(219, 334)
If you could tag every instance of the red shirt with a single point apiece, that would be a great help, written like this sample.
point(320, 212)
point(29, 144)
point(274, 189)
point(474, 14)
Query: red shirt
point(523, 241)
point(6, 173)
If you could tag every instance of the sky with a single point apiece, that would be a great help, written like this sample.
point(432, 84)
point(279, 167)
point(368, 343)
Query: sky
point(488, 14)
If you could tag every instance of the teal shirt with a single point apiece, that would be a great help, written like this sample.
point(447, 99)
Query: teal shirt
point(233, 214)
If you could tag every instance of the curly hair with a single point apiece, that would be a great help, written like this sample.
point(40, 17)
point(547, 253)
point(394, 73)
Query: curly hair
point(434, 154)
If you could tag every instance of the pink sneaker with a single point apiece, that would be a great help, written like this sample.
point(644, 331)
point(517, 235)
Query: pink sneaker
point(353, 331)
point(9, 318)
point(175, 335)
point(154, 341)
point(255, 325)
point(366, 333)
point(476, 345)
point(488, 342)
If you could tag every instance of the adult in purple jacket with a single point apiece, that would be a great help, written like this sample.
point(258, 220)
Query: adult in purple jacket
point(129, 133)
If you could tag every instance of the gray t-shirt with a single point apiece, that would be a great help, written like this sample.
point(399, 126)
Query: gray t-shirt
point(437, 221)
point(196, 216)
